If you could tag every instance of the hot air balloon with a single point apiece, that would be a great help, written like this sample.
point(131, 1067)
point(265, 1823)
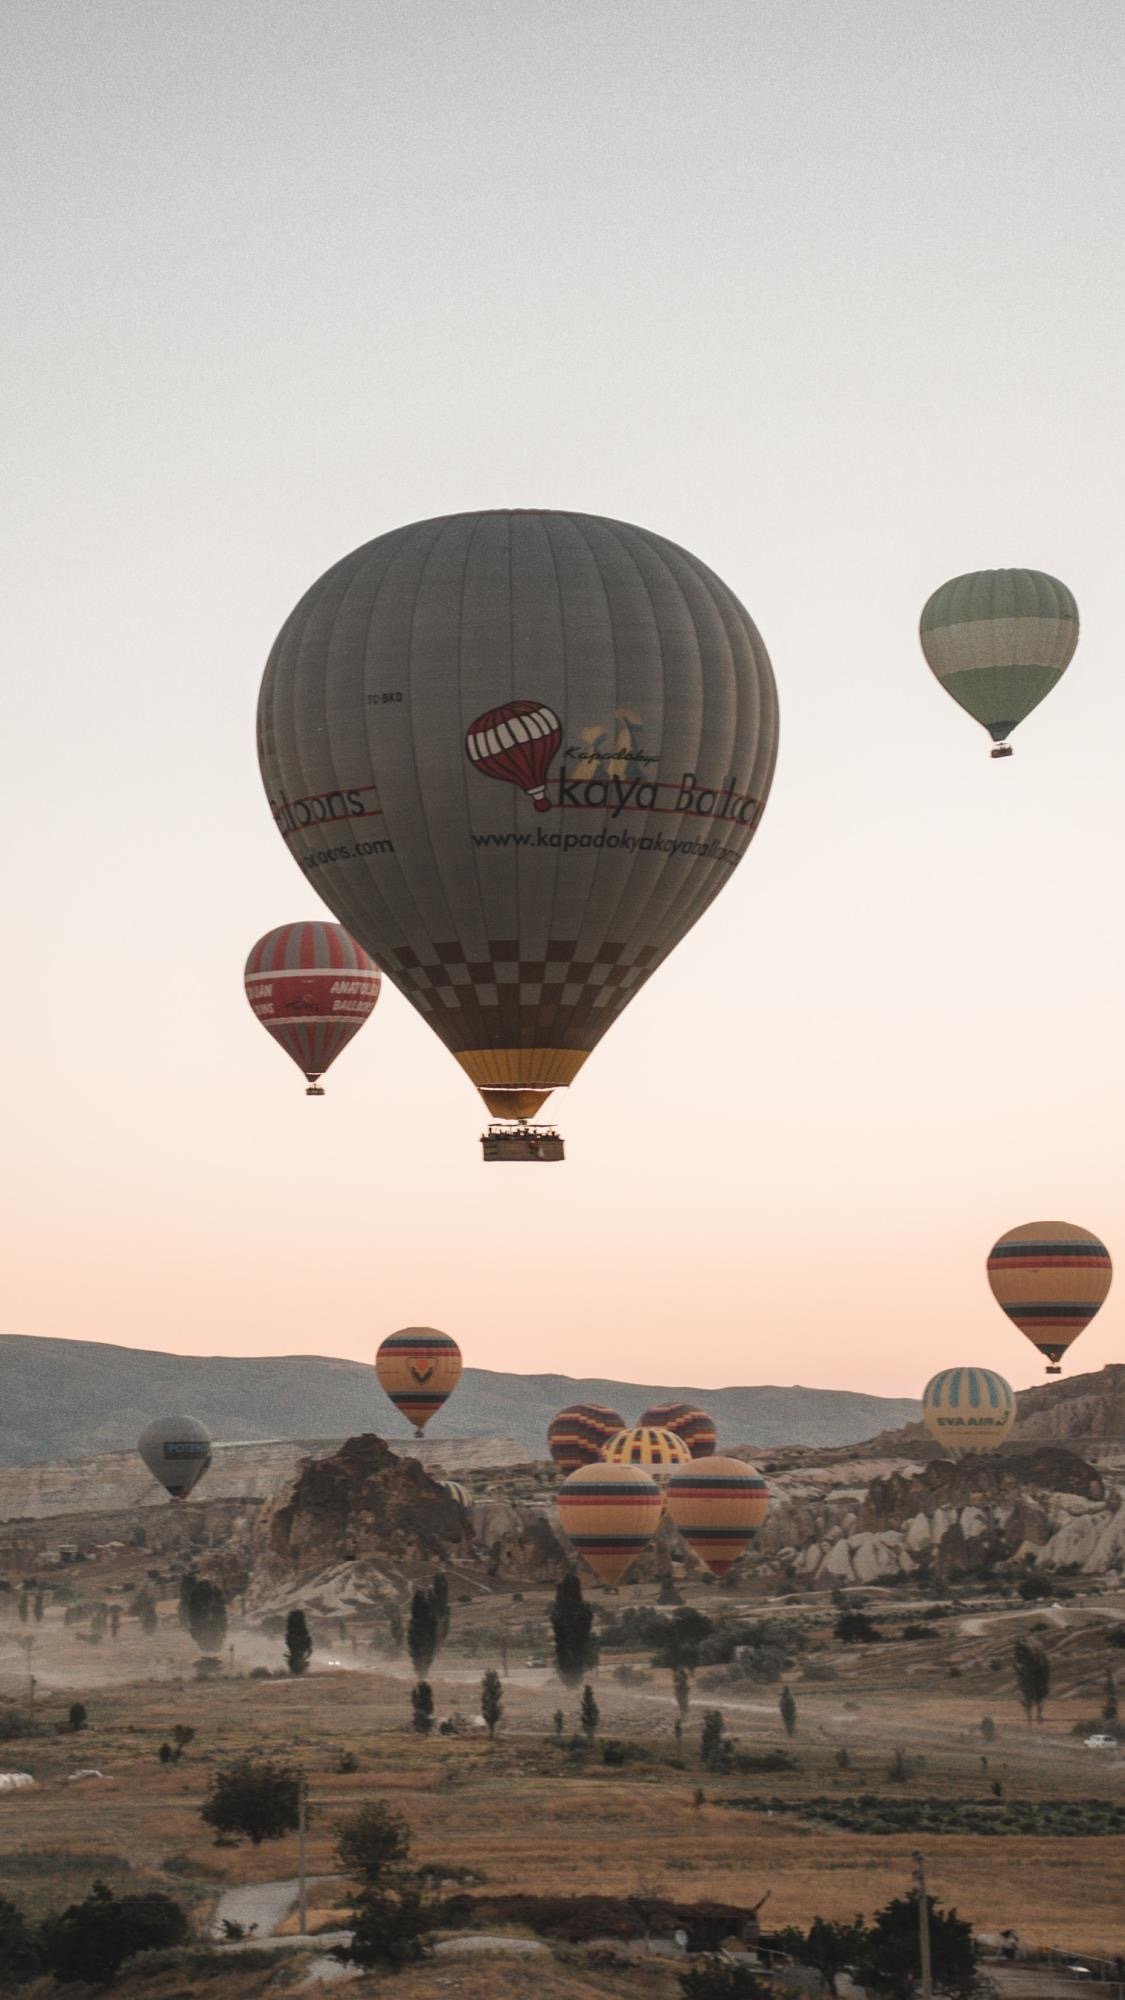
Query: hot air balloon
point(177, 1451)
point(1050, 1278)
point(717, 1508)
point(311, 988)
point(456, 1492)
point(610, 1513)
point(419, 1368)
point(642, 1445)
point(968, 1409)
point(518, 754)
point(578, 1435)
point(685, 1421)
point(998, 640)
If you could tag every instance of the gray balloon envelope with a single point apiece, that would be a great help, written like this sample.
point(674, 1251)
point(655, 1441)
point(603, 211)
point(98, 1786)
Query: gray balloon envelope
point(177, 1451)
point(518, 754)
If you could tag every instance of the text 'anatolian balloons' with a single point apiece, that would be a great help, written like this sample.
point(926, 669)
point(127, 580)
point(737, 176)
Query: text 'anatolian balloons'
point(312, 988)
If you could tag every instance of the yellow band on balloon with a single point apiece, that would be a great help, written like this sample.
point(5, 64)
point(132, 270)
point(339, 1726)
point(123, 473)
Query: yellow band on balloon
point(521, 1069)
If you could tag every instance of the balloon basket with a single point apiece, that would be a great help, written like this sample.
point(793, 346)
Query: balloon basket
point(536, 1143)
point(1001, 750)
point(1054, 1371)
point(314, 1090)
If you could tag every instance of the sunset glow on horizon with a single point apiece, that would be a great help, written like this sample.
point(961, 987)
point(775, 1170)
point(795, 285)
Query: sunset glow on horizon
point(829, 297)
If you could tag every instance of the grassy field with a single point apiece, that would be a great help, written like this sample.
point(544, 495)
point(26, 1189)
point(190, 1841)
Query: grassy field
point(527, 1815)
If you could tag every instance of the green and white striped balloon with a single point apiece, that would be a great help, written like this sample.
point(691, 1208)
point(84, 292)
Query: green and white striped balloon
point(998, 640)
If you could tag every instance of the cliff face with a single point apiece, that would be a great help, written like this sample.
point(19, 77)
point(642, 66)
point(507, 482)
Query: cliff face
point(361, 1506)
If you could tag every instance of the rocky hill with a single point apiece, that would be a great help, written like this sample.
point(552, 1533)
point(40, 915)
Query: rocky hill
point(67, 1399)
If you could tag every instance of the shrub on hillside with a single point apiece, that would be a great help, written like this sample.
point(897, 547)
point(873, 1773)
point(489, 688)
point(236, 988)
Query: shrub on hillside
point(91, 1940)
point(253, 1798)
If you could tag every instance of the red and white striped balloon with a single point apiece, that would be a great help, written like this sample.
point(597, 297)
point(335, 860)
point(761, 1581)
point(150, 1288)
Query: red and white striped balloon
point(312, 987)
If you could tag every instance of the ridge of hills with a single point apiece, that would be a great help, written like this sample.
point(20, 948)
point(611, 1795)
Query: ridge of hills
point(67, 1399)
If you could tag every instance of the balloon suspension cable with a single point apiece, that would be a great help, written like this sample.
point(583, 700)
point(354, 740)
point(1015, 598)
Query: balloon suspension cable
point(1001, 750)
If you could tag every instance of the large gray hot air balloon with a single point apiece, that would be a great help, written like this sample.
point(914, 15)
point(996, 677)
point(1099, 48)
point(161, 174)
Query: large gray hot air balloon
point(518, 754)
point(177, 1451)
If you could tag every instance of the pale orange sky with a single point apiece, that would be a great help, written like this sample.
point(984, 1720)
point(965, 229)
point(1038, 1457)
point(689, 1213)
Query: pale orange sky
point(833, 297)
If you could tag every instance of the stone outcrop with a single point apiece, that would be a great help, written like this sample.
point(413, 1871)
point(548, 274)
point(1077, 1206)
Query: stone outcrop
point(362, 1505)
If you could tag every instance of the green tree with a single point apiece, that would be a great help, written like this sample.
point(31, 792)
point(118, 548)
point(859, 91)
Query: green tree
point(572, 1620)
point(1033, 1677)
point(491, 1700)
point(298, 1643)
point(205, 1612)
point(559, 1720)
point(788, 1710)
point(373, 1843)
point(829, 1947)
point(889, 1962)
point(712, 1741)
point(422, 1703)
point(76, 1715)
point(388, 1927)
point(1109, 1697)
point(20, 1958)
point(988, 1729)
point(682, 1637)
point(855, 1628)
point(422, 1635)
point(439, 1591)
point(254, 1798)
point(681, 1689)
point(92, 1939)
point(589, 1714)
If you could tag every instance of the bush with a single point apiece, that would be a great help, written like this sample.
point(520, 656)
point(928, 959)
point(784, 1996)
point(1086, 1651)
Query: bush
point(373, 1843)
point(1032, 1588)
point(254, 1798)
point(855, 1628)
point(387, 1929)
point(76, 1715)
point(20, 1958)
point(203, 1610)
point(714, 1979)
point(92, 1939)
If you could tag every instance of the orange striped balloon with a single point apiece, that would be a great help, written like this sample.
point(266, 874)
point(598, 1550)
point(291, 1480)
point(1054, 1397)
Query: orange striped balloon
point(643, 1445)
point(694, 1426)
point(419, 1368)
point(717, 1506)
point(610, 1513)
point(1050, 1278)
point(578, 1435)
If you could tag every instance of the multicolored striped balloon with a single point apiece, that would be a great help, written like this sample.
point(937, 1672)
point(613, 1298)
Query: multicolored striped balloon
point(1050, 1278)
point(312, 988)
point(685, 1421)
point(644, 1445)
point(717, 1507)
point(998, 640)
point(580, 1433)
point(610, 1514)
point(968, 1409)
point(419, 1368)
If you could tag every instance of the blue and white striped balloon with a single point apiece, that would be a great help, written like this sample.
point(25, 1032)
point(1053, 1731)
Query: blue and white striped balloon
point(968, 1409)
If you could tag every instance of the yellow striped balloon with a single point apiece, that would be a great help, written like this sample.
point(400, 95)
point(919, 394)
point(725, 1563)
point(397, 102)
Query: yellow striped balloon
point(657, 1450)
point(1050, 1278)
point(968, 1409)
point(717, 1504)
point(418, 1368)
point(610, 1514)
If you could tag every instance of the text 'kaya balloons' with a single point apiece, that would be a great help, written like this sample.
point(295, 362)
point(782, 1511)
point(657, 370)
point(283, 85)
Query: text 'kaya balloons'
point(1050, 1278)
point(177, 1451)
point(518, 754)
point(717, 1506)
point(580, 1433)
point(685, 1421)
point(998, 640)
point(968, 1409)
point(312, 989)
point(418, 1368)
point(610, 1513)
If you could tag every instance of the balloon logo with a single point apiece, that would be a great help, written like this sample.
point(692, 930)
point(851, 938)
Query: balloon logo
point(516, 744)
point(968, 1409)
point(418, 1368)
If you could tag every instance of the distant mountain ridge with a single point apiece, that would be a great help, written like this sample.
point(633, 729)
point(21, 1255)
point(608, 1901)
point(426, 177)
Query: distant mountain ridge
point(63, 1399)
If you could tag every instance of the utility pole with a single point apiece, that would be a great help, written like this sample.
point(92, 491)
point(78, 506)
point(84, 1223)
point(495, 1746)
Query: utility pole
point(923, 1926)
point(302, 1888)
